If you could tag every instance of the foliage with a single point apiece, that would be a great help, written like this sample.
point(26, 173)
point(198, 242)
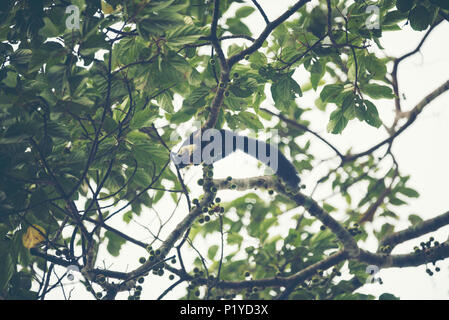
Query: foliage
point(78, 114)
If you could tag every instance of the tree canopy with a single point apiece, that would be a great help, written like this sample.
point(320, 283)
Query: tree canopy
point(92, 92)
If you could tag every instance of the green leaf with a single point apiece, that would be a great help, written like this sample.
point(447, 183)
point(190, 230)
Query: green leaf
point(409, 192)
point(348, 106)
point(212, 251)
point(396, 201)
point(328, 207)
point(234, 238)
point(323, 240)
point(376, 67)
point(182, 35)
point(197, 97)
point(330, 92)
point(142, 118)
point(49, 97)
point(11, 79)
point(388, 296)
point(243, 12)
point(39, 209)
point(158, 23)
point(320, 104)
point(92, 44)
point(50, 29)
point(389, 214)
point(183, 115)
point(265, 225)
point(3, 228)
point(115, 243)
point(6, 262)
point(236, 26)
point(20, 56)
point(251, 120)
point(166, 101)
point(393, 17)
point(158, 5)
point(358, 269)
point(371, 114)
point(444, 4)
point(127, 216)
point(241, 91)
point(414, 219)
point(142, 178)
point(384, 231)
point(45, 53)
point(377, 91)
point(144, 151)
point(404, 5)
point(79, 102)
point(420, 18)
point(337, 122)
point(284, 90)
point(316, 73)
point(58, 130)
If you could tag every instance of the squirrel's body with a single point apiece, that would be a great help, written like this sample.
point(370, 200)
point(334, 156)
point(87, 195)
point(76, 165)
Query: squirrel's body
point(208, 148)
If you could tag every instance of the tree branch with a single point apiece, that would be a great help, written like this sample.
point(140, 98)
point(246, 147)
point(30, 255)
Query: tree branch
point(261, 11)
point(180, 229)
point(301, 200)
point(444, 15)
point(226, 64)
point(305, 128)
point(214, 40)
point(329, 23)
point(292, 280)
point(415, 231)
point(394, 73)
point(224, 72)
point(412, 115)
point(414, 259)
point(266, 32)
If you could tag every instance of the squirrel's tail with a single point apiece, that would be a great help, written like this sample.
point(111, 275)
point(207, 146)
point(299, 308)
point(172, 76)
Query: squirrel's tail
point(270, 156)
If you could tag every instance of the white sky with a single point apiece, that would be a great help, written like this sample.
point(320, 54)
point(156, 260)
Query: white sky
point(422, 151)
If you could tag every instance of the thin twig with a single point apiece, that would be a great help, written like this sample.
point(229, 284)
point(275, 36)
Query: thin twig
point(263, 14)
